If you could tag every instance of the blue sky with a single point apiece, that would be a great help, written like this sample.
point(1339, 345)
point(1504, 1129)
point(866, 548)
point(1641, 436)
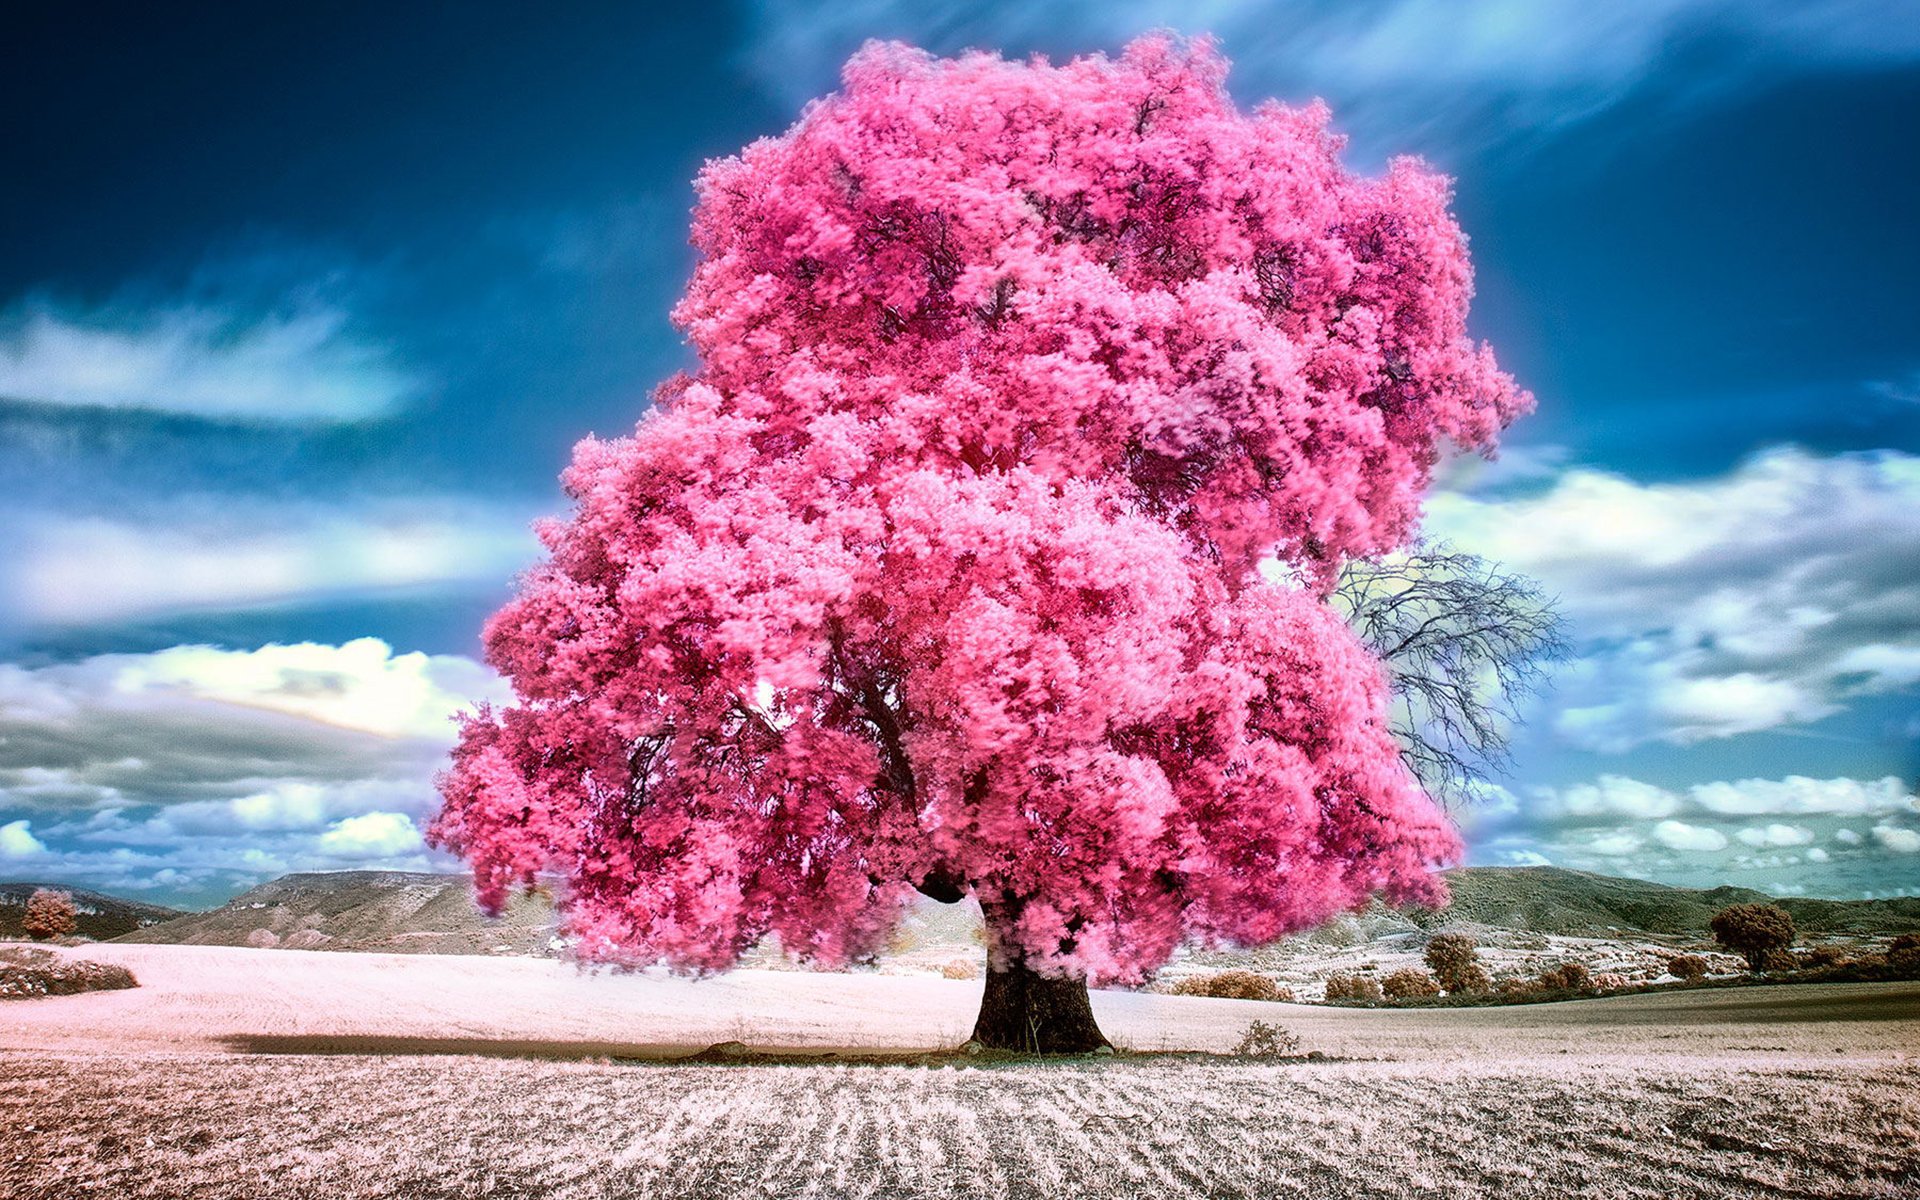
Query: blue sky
point(300, 312)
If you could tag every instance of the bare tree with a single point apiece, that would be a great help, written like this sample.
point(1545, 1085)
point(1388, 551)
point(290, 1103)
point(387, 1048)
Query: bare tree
point(1464, 643)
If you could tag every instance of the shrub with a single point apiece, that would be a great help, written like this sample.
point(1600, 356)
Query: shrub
point(1455, 962)
point(1473, 981)
point(1690, 967)
point(27, 971)
point(1344, 985)
point(1233, 985)
point(1409, 983)
point(1567, 977)
point(1756, 932)
point(1262, 1040)
point(1903, 953)
point(1609, 981)
point(1513, 986)
point(49, 915)
point(960, 968)
point(1821, 957)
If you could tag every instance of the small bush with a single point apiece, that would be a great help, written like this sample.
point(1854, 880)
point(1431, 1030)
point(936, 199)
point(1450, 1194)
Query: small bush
point(1819, 958)
point(1232, 985)
point(1567, 977)
point(1262, 1040)
point(1690, 967)
point(27, 971)
point(961, 968)
point(1903, 953)
point(1472, 981)
point(1345, 985)
point(1609, 981)
point(1756, 932)
point(49, 915)
point(1455, 962)
point(1409, 983)
point(1515, 986)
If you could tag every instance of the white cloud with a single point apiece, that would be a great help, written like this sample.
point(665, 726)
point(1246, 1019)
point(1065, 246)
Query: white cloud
point(1891, 666)
point(1611, 798)
point(1524, 858)
point(17, 840)
point(1706, 834)
point(1614, 796)
point(72, 571)
point(1798, 795)
point(360, 686)
point(1897, 839)
point(1446, 70)
point(226, 766)
point(1615, 845)
point(1678, 835)
point(299, 365)
point(372, 835)
point(1765, 598)
point(288, 806)
point(1776, 834)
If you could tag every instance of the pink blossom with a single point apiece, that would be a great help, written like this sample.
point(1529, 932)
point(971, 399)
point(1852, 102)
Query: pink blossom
point(942, 568)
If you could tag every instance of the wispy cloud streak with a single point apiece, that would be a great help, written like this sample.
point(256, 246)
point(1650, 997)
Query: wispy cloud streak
point(302, 365)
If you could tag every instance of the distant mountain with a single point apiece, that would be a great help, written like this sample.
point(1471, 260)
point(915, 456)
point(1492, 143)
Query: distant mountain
point(96, 915)
point(406, 912)
point(402, 912)
point(1555, 900)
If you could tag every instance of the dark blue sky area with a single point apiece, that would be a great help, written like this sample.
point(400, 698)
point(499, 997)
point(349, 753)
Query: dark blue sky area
point(500, 197)
point(303, 307)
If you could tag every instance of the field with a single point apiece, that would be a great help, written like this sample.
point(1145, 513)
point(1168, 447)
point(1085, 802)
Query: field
point(237, 1072)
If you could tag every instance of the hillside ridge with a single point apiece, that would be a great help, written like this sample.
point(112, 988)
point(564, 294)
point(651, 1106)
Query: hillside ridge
point(433, 913)
point(1564, 901)
point(98, 915)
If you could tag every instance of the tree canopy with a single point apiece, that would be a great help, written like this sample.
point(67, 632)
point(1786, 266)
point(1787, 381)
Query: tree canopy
point(942, 570)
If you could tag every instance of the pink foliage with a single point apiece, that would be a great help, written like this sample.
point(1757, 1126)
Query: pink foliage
point(942, 570)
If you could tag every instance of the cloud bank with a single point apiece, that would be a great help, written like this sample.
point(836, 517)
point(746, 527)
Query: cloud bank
point(300, 365)
point(197, 769)
point(75, 570)
point(1848, 836)
point(1766, 598)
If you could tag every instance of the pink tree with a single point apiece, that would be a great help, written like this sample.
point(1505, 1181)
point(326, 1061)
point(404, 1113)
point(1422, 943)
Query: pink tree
point(944, 572)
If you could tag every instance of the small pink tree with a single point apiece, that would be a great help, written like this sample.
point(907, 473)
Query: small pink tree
point(49, 914)
point(945, 571)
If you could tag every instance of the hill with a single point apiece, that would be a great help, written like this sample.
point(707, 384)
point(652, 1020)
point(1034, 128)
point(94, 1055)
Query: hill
point(390, 911)
point(1555, 900)
point(407, 912)
point(97, 915)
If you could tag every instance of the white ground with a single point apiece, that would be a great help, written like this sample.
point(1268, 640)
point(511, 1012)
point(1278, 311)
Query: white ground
point(233, 1074)
point(206, 997)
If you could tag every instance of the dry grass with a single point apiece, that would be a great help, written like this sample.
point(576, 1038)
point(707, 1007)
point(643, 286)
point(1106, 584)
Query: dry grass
point(31, 971)
point(218, 1127)
point(1808, 1091)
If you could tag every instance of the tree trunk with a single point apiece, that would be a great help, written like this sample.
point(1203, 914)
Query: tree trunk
point(1025, 1011)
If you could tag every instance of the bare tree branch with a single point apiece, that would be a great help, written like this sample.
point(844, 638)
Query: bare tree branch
point(1464, 644)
